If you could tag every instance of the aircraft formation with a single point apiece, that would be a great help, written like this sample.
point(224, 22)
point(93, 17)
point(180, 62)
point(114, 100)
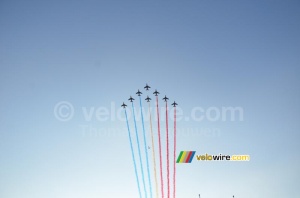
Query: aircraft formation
point(138, 144)
point(139, 93)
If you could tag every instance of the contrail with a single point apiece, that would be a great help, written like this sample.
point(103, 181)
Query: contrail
point(145, 145)
point(168, 161)
point(132, 153)
point(159, 144)
point(139, 151)
point(174, 155)
point(153, 153)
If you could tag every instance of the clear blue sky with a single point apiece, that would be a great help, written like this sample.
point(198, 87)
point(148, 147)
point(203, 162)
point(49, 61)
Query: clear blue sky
point(200, 53)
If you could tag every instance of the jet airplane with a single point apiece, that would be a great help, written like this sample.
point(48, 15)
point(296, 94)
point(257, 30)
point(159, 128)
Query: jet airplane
point(156, 92)
point(147, 87)
point(131, 99)
point(124, 105)
point(174, 104)
point(165, 98)
point(148, 99)
point(138, 93)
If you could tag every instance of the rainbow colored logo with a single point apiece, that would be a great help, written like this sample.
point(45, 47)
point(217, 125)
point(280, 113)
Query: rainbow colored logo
point(186, 157)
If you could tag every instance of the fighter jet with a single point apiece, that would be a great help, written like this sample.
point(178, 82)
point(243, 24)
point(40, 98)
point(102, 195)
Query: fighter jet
point(138, 93)
point(124, 105)
point(165, 98)
point(148, 99)
point(147, 87)
point(174, 104)
point(131, 99)
point(156, 92)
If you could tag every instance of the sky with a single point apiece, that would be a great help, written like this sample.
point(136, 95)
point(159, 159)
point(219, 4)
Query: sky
point(93, 55)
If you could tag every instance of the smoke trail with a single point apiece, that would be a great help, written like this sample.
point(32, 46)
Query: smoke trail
point(174, 155)
point(153, 153)
point(168, 161)
point(145, 145)
point(133, 158)
point(159, 144)
point(139, 151)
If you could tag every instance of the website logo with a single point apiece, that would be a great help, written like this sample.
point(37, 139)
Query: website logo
point(221, 157)
point(186, 157)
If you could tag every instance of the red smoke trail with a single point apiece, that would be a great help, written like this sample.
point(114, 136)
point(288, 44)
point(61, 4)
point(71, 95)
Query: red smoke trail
point(174, 173)
point(168, 161)
point(159, 144)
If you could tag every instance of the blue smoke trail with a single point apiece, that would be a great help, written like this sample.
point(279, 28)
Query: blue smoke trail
point(139, 149)
point(145, 144)
point(133, 158)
